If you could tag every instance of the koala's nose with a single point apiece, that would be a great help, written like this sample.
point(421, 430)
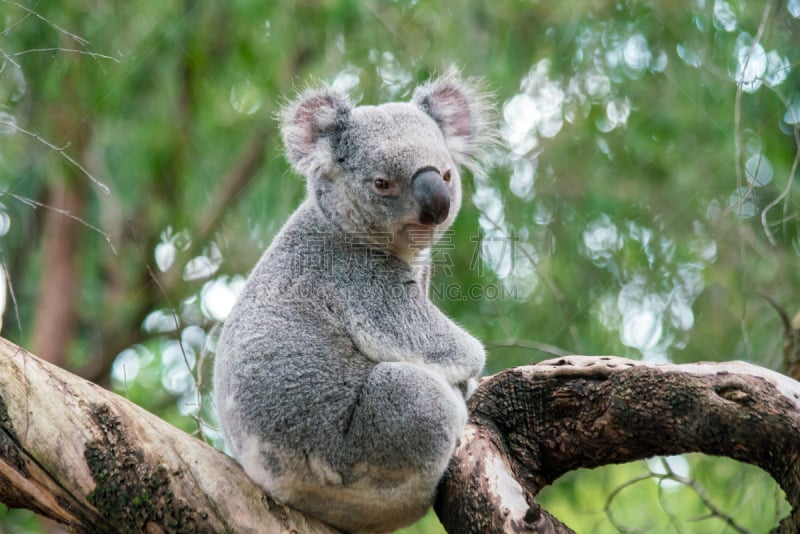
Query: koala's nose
point(432, 195)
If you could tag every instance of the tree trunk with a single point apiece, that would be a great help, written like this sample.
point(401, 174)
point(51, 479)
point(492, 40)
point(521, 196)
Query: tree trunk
point(95, 462)
point(57, 306)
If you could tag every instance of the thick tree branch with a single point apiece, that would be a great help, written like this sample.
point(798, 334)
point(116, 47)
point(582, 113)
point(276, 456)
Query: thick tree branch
point(87, 458)
point(530, 425)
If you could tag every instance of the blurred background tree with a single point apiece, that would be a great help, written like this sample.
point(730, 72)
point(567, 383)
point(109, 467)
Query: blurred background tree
point(644, 195)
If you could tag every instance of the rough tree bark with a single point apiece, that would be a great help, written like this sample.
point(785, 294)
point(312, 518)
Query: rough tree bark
point(530, 425)
point(95, 462)
point(89, 459)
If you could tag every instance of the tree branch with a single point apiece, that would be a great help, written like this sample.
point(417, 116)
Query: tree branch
point(530, 425)
point(95, 462)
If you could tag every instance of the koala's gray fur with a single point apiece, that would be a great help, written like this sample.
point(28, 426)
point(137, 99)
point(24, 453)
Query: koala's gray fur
point(340, 386)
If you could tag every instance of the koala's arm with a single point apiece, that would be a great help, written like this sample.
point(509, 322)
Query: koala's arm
point(399, 323)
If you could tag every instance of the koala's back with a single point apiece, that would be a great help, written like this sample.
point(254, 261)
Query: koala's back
point(276, 346)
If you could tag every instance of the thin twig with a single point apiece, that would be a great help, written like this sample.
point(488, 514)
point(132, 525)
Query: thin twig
point(714, 510)
point(70, 50)
point(100, 185)
point(616, 491)
point(669, 474)
point(35, 204)
point(10, 59)
point(737, 109)
point(534, 345)
point(14, 25)
point(784, 196)
point(77, 38)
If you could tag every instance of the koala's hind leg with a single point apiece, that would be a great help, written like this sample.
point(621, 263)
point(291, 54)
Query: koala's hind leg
point(405, 425)
point(407, 418)
point(402, 432)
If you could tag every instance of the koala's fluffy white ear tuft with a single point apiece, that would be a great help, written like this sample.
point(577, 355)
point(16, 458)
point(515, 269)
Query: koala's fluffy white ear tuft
point(464, 112)
point(307, 123)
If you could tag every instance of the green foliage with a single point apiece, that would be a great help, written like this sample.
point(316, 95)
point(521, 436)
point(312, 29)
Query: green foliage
point(644, 193)
point(613, 499)
point(17, 521)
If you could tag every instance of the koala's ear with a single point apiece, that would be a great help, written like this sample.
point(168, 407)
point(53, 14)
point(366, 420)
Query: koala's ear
point(464, 112)
point(307, 126)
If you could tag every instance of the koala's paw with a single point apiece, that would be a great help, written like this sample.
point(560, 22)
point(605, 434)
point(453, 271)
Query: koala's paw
point(474, 357)
point(467, 387)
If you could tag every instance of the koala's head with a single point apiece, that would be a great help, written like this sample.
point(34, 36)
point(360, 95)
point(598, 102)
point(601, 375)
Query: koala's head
point(389, 173)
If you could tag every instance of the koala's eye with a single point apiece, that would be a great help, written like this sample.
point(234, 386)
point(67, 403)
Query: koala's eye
point(446, 176)
point(385, 187)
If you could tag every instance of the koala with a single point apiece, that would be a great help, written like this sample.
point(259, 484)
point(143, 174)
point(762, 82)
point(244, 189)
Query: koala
point(340, 386)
